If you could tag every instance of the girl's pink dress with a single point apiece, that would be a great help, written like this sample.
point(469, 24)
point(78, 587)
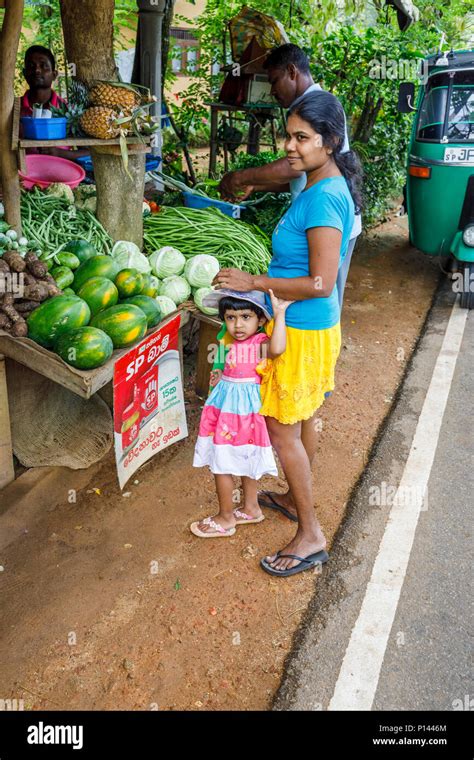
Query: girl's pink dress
point(233, 437)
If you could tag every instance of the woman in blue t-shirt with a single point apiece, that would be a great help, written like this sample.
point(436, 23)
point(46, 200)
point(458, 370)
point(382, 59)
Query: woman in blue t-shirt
point(309, 245)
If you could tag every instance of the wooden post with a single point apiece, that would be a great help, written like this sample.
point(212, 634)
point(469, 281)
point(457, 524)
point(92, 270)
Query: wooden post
point(213, 142)
point(7, 472)
point(9, 39)
point(207, 337)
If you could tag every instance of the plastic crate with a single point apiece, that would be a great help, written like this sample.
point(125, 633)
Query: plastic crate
point(196, 201)
point(44, 129)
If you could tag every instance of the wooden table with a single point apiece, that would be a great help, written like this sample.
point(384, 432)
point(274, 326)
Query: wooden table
point(49, 364)
point(19, 145)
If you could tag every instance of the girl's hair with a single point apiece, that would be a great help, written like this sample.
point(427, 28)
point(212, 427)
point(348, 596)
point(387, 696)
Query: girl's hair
point(238, 304)
point(323, 111)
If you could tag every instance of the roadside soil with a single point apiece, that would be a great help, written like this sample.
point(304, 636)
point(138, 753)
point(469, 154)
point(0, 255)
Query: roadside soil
point(110, 603)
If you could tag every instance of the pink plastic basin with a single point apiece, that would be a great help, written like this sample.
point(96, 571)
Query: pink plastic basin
point(43, 170)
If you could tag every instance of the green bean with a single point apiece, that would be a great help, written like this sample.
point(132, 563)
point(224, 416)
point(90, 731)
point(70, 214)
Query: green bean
point(46, 221)
point(194, 231)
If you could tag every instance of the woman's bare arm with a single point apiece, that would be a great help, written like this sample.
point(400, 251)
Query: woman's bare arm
point(324, 245)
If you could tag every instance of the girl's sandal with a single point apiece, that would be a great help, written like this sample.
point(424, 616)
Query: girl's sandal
point(242, 518)
point(217, 532)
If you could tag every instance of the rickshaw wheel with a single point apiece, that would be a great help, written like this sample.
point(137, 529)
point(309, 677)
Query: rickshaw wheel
point(467, 296)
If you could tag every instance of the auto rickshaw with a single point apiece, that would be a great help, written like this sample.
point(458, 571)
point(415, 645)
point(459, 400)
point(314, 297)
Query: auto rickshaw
point(440, 167)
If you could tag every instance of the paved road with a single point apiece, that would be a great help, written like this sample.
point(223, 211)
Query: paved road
point(390, 625)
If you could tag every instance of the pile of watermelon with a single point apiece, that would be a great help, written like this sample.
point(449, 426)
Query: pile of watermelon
point(103, 308)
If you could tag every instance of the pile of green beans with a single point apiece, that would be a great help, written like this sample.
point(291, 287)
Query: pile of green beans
point(49, 222)
point(192, 231)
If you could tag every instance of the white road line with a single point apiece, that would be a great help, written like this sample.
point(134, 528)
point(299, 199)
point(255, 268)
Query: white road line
point(360, 670)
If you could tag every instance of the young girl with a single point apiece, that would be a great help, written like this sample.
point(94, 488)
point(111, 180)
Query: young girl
point(233, 437)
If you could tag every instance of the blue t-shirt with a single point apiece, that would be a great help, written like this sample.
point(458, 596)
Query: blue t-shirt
point(328, 203)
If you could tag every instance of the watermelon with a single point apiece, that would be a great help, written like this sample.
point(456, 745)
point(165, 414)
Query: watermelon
point(63, 276)
point(99, 293)
point(97, 266)
point(149, 306)
point(55, 317)
point(151, 286)
point(84, 347)
point(80, 248)
point(124, 323)
point(129, 282)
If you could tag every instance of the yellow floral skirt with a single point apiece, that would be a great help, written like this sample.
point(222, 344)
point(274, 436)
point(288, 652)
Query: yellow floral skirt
point(294, 384)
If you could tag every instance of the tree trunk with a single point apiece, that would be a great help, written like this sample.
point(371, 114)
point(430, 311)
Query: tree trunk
point(120, 206)
point(9, 39)
point(88, 39)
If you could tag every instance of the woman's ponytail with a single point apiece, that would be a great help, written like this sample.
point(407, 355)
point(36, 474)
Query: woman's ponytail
point(350, 167)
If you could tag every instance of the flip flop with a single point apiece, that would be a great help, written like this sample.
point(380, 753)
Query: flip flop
point(270, 503)
point(305, 563)
point(242, 518)
point(217, 532)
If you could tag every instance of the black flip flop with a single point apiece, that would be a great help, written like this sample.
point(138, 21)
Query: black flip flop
point(274, 505)
point(305, 563)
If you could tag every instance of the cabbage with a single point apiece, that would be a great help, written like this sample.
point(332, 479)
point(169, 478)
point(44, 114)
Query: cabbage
point(128, 256)
point(199, 296)
point(167, 261)
point(200, 270)
point(167, 306)
point(60, 190)
point(176, 288)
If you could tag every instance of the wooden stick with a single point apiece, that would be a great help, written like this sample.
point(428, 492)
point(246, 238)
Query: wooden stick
point(9, 39)
point(7, 472)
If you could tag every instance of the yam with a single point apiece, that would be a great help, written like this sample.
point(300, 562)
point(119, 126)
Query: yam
point(37, 292)
point(14, 261)
point(35, 266)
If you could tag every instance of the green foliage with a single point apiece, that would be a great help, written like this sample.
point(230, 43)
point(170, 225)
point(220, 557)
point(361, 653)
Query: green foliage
point(244, 160)
point(347, 47)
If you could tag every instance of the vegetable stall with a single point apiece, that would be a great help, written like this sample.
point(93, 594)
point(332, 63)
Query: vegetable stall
point(75, 297)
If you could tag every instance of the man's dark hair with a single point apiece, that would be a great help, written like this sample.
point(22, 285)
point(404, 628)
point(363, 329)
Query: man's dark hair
point(44, 51)
point(281, 56)
point(238, 304)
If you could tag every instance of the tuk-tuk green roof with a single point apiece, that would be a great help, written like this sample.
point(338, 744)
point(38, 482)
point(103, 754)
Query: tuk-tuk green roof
point(456, 59)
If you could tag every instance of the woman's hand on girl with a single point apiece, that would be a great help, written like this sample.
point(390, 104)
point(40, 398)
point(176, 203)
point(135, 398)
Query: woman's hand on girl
point(234, 279)
point(279, 305)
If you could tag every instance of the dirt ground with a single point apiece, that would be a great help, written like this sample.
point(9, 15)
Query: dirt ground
point(110, 603)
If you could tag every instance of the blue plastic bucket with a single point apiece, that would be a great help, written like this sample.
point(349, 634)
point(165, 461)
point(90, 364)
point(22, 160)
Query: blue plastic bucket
point(196, 201)
point(44, 129)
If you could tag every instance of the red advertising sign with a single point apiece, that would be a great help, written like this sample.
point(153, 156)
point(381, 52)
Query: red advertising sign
point(149, 412)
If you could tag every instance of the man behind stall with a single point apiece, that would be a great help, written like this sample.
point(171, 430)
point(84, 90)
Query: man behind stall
point(40, 72)
point(289, 74)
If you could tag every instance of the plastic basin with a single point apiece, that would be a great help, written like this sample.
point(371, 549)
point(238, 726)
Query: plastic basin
point(195, 201)
point(43, 170)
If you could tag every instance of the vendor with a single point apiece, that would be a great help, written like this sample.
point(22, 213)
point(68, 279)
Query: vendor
point(40, 72)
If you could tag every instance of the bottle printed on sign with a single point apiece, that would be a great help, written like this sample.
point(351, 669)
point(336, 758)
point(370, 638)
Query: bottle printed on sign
point(131, 420)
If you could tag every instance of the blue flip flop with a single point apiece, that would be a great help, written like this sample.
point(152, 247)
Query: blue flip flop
point(272, 504)
point(305, 563)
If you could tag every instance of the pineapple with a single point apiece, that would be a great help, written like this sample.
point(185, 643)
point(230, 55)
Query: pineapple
point(115, 95)
point(100, 122)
